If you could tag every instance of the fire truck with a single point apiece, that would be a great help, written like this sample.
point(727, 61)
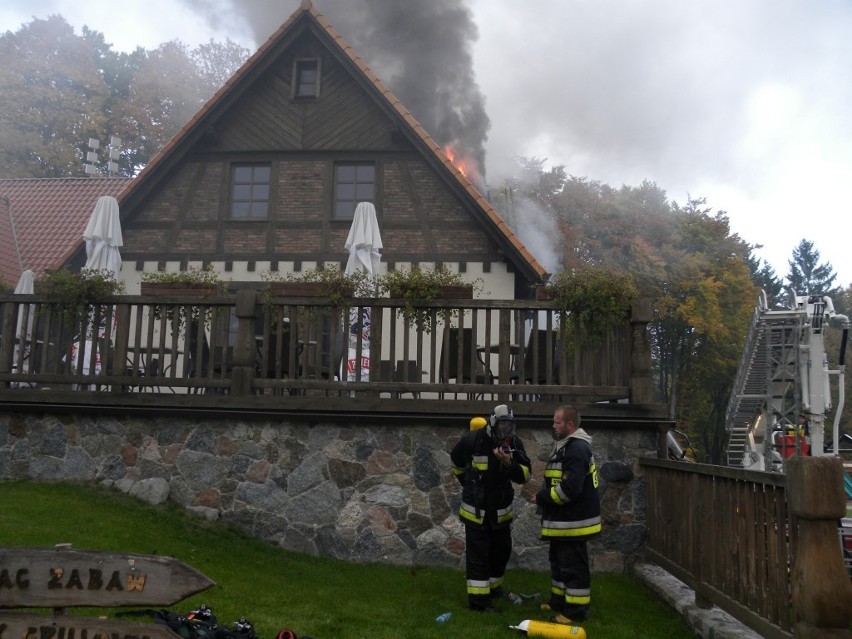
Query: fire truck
point(782, 391)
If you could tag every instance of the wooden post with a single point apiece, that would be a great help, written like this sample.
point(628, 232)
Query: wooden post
point(702, 530)
point(245, 346)
point(663, 440)
point(822, 592)
point(640, 360)
point(120, 341)
point(7, 333)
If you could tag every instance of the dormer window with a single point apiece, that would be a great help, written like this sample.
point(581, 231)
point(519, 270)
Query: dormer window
point(306, 78)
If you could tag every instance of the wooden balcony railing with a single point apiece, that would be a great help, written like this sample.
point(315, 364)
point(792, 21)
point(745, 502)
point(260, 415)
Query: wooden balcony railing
point(242, 345)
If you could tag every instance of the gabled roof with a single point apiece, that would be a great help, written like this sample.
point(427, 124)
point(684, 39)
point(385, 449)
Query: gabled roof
point(42, 220)
point(192, 131)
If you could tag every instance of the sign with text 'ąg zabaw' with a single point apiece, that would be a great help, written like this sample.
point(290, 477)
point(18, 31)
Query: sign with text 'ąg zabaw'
point(60, 577)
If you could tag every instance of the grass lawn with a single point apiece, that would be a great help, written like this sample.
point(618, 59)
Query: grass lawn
point(314, 596)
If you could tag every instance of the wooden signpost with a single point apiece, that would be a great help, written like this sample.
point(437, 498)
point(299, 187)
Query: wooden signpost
point(62, 577)
point(33, 626)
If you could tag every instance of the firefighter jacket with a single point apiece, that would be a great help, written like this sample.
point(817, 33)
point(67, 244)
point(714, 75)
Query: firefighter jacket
point(569, 499)
point(487, 491)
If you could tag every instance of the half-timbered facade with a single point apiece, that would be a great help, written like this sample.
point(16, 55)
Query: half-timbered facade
point(266, 177)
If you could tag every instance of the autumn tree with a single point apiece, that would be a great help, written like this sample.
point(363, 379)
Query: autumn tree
point(717, 298)
point(686, 260)
point(53, 99)
point(60, 89)
point(215, 63)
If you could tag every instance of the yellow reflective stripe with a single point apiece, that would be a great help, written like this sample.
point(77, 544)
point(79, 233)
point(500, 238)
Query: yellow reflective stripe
point(495, 582)
point(458, 470)
point(570, 532)
point(582, 597)
point(556, 495)
point(466, 511)
point(470, 517)
point(504, 514)
point(575, 523)
point(571, 528)
point(526, 470)
point(480, 462)
point(478, 587)
point(553, 472)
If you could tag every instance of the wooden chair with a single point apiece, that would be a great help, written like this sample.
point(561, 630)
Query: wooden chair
point(407, 371)
point(275, 360)
point(197, 354)
point(459, 361)
point(541, 345)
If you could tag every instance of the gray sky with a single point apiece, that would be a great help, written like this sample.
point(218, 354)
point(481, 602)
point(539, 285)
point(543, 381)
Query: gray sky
point(746, 103)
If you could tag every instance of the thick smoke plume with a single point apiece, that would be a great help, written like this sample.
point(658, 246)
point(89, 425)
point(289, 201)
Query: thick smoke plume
point(422, 50)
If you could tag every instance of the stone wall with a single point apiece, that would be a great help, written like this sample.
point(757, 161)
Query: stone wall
point(351, 491)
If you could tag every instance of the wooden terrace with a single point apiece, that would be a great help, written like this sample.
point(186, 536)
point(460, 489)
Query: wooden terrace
point(247, 353)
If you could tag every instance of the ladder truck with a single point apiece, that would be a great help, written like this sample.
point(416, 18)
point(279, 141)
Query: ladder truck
point(782, 390)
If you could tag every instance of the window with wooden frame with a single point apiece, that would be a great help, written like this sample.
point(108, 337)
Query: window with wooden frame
point(250, 191)
point(306, 78)
point(354, 182)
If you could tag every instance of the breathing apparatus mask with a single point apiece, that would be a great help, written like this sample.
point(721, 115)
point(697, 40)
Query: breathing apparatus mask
point(501, 426)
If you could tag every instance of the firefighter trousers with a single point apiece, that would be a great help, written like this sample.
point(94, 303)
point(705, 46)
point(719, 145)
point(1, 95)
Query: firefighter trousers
point(486, 555)
point(570, 580)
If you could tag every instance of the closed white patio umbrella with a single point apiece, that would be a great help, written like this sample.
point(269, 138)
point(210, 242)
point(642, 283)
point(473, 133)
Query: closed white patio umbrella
point(103, 237)
point(103, 240)
point(24, 329)
point(364, 244)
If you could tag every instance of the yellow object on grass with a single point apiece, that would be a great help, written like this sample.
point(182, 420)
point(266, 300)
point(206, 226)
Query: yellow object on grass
point(548, 630)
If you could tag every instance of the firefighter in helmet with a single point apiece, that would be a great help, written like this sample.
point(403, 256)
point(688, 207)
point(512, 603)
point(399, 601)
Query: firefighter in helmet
point(486, 461)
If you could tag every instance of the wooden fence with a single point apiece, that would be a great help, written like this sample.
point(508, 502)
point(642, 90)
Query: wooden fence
point(732, 536)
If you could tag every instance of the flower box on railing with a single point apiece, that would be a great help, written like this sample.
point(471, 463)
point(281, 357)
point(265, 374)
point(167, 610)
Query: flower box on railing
point(307, 289)
point(176, 289)
point(544, 293)
point(461, 292)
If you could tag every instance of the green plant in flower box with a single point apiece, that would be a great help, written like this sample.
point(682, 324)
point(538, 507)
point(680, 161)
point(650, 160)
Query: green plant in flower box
point(73, 291)
point(416, 285)
point(594, 301)
point(205, 277)
point(194, 280)
point(325, 281)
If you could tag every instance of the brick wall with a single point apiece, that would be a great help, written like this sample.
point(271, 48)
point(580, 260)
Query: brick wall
point(187, 218)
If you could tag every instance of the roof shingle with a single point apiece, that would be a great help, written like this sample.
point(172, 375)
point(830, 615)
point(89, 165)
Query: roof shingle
point(44, 220)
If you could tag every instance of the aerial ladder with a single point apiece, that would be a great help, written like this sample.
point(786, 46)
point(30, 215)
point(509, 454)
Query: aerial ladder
point(782, 389)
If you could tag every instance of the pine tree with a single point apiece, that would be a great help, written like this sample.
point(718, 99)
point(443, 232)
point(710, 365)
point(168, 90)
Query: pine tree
point(764, 276)
point(807, 276)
